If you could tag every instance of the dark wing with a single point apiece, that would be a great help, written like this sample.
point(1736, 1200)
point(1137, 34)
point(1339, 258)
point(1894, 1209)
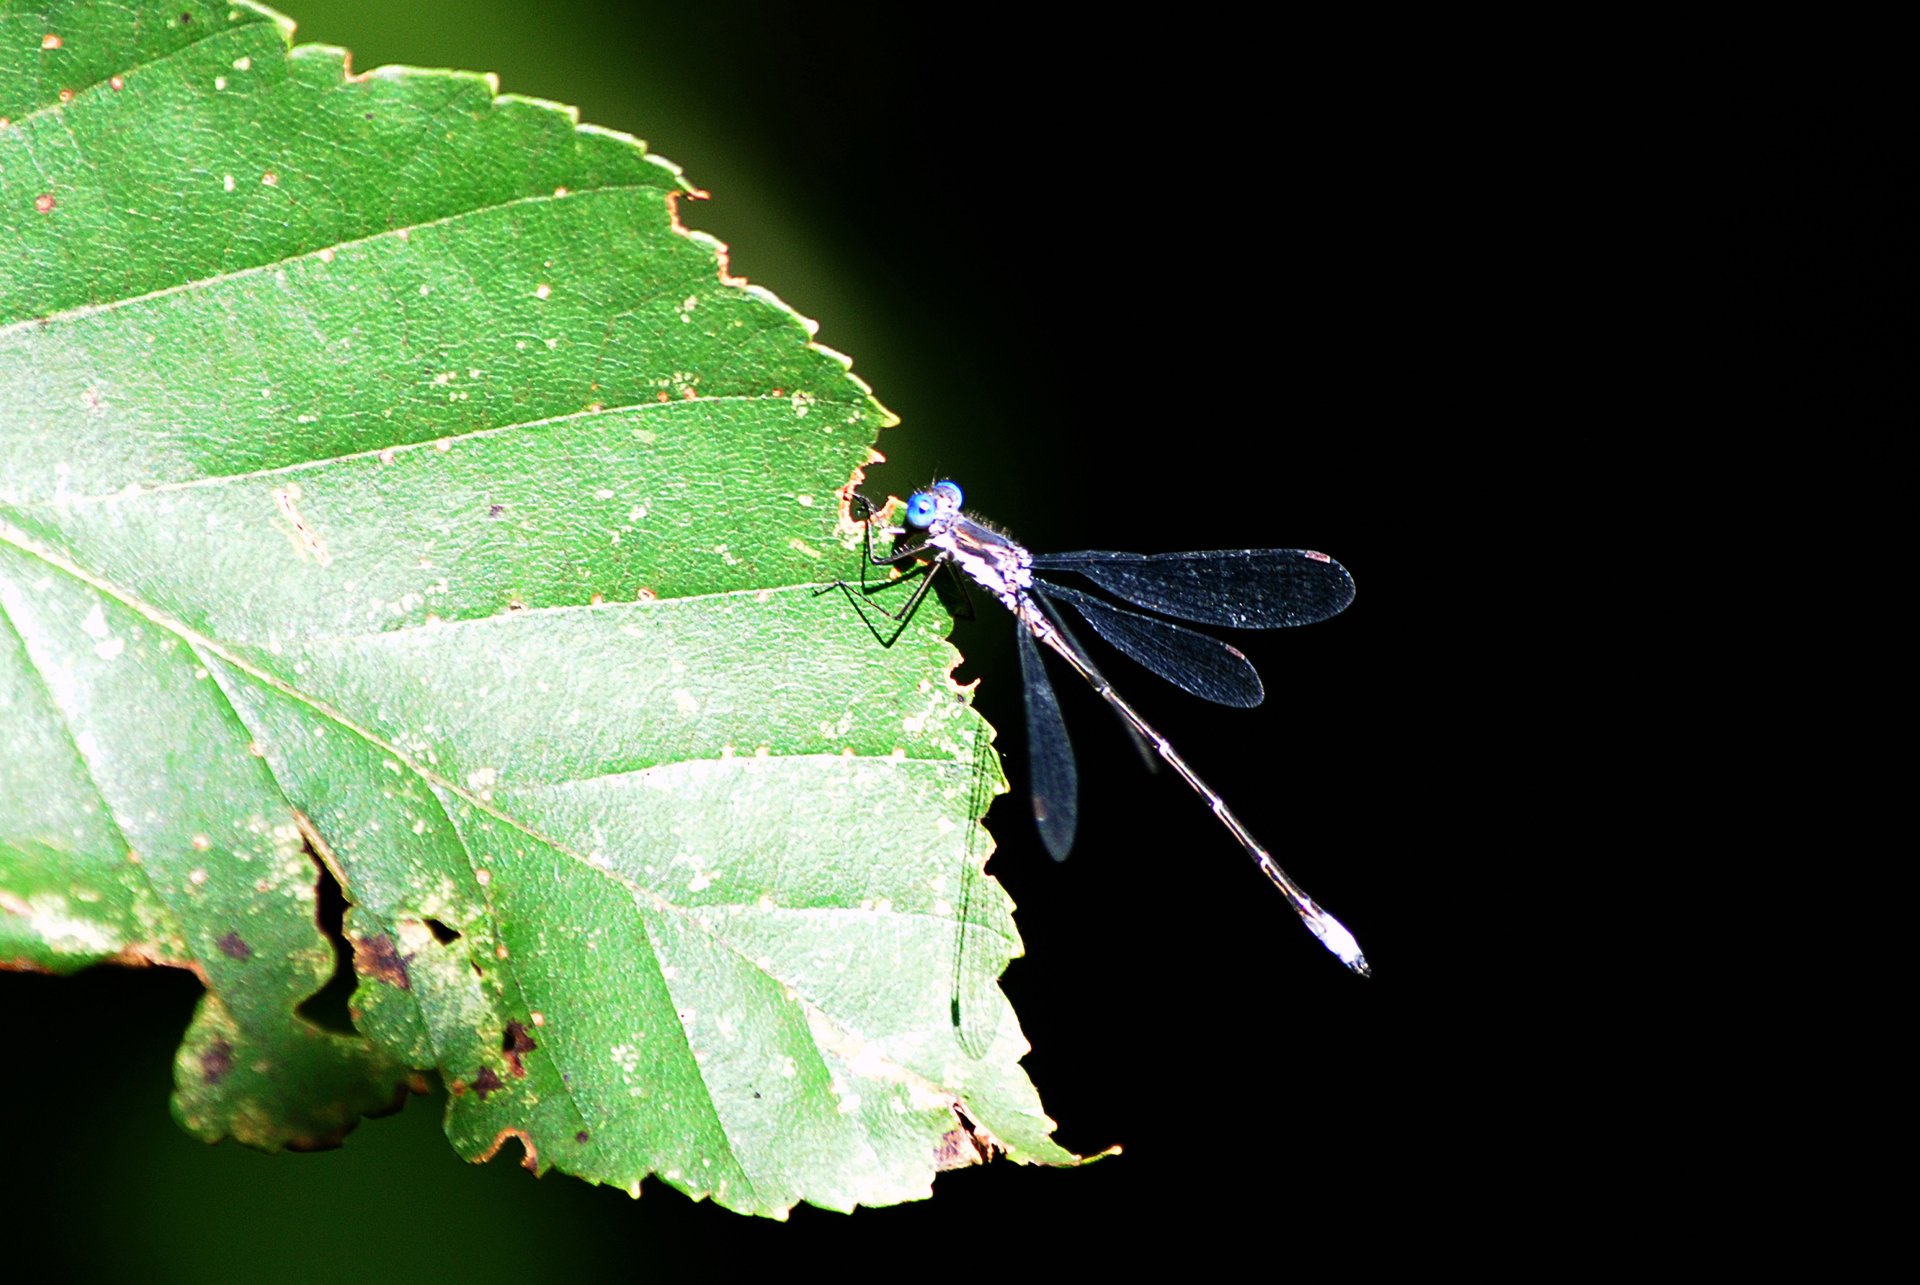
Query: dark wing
point(1187, 658)
point(1049, 754)
point(1244, 588)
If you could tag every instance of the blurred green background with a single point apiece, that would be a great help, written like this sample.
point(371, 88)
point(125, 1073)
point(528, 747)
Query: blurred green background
point(1147, 283)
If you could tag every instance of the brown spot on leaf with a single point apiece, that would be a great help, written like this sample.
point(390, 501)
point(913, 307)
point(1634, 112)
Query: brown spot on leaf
point(378, 958)
point(514, 1043)
point(581, 1136)
point(964, 1144)
point(234, 946)
point(216, 1062)
point(488, 1081)
point(957, 1150)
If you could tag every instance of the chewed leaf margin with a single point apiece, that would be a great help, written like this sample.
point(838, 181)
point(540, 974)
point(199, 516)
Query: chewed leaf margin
point(268, 673)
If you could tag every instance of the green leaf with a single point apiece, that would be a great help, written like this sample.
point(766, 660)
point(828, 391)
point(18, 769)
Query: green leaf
point(386, 477)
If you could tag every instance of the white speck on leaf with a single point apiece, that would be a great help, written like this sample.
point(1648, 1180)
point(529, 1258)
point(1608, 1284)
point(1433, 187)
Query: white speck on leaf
point(49, 921)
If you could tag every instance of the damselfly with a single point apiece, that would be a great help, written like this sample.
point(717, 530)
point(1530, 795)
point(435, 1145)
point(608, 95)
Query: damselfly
point(1243, 588)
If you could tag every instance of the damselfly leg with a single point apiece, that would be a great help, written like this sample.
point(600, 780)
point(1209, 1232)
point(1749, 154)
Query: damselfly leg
point(923, 573)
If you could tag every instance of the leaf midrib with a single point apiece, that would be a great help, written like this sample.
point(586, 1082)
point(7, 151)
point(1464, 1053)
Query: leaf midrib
point(689, 916)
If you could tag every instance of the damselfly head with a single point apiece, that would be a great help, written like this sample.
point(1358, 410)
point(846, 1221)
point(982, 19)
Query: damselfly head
point(941, 500)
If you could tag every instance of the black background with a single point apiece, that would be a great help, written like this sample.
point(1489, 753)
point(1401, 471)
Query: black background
point(1146, 285)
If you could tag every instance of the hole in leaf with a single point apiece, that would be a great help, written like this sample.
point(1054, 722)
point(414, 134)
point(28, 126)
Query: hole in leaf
point(516, 1043)
point(326, 1008)
point(441, 933)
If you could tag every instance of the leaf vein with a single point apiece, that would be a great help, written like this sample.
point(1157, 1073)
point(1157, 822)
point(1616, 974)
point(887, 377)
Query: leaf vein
point(93, 777)
point(282, 470)
point(513, 973)
point(57, 107)
point(689, 916)
point(91, 309)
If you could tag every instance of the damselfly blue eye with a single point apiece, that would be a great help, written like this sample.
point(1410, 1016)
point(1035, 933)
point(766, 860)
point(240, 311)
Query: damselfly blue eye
point(952, 491)
point(921, 508)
